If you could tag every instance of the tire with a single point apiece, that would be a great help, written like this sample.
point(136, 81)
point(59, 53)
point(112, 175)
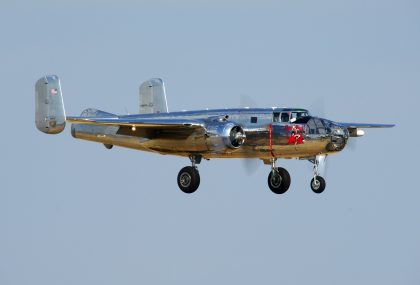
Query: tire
point(279, 181)
point(108, 146)
point(320, 187)
point(188, 179)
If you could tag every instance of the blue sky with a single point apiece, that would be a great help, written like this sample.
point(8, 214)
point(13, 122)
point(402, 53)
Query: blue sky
point(72, 212)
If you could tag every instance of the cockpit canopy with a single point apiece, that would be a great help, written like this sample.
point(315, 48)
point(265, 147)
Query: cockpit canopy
point(289, 115)
point(313, 125)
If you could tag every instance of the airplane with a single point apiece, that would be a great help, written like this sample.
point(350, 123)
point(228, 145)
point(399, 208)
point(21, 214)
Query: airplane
point(267, 134)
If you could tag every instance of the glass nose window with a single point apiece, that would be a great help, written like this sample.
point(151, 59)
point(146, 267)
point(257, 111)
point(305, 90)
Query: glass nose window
point(320, 127)
point(315, 127)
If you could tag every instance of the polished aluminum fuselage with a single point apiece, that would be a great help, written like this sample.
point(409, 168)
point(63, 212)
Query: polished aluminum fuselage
point(265, 138)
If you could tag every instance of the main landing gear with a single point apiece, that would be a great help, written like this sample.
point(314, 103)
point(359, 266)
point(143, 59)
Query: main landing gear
point(278, 179)
point(188, 177)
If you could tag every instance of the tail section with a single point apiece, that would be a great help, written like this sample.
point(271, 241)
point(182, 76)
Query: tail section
point(153, 97)
point(50, 116)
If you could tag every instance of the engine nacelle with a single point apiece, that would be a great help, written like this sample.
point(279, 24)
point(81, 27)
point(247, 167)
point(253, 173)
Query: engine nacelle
point(224, 135)
point(354, 132)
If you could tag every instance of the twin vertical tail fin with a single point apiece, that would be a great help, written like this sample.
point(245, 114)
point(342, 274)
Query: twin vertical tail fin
point(152, 97)
point(50, 117)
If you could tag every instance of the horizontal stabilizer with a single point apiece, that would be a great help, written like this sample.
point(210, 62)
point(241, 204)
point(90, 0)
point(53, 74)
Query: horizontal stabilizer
point(91, 112)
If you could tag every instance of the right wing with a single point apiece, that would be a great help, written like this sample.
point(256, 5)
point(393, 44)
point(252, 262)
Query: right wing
point(363, 126)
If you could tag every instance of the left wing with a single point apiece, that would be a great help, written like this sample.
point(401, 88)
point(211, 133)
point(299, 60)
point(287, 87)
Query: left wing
point(163, 123)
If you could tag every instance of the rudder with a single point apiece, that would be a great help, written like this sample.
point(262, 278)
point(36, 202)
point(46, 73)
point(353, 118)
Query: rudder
point(153, 97)
point(50, 117)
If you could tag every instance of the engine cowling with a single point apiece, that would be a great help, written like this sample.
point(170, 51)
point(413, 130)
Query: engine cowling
point(222, 136)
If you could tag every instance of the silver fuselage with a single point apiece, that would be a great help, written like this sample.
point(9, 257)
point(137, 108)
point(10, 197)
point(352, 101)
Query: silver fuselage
point(265, 136)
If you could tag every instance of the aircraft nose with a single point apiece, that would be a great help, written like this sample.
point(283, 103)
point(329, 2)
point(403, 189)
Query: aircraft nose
point(339, 137)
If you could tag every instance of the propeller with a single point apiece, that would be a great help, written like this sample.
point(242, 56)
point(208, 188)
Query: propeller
point(351, 144)
point(237, 136)
point(250, 165)
point(247, 101)
point(317, 108)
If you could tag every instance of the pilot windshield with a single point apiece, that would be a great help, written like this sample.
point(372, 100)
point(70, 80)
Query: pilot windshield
point(296, 115)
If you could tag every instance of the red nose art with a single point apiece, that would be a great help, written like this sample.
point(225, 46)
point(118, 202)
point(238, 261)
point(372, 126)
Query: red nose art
point(296, 134)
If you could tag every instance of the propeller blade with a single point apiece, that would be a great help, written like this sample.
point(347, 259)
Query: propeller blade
point(352, 144)
point(247, 101)
point(250, 165)
point(317, 108)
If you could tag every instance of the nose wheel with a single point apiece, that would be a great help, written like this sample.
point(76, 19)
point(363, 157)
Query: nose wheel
point(189, 177)
point(278, 179)
point(318, 183)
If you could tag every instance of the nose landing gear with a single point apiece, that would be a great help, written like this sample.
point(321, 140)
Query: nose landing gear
point(318, 183)
point(189, 178)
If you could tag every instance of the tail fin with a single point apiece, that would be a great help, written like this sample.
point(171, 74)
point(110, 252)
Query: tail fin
point(50, 116)
point(153, 97)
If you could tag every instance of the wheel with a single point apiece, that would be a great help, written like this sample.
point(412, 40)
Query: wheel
point(279, 180)
point(318, 186)
point(188, 179)
point(108, 146)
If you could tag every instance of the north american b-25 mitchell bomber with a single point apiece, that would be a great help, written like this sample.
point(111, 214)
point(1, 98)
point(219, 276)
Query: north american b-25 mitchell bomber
point(263, 133)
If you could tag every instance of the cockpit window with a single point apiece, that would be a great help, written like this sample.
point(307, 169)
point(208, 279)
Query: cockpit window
point(276, 117)
point(303, 120)
point(298, 115)
point(284, 117)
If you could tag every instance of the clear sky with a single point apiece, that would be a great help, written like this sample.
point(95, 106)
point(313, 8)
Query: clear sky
point(72, 212)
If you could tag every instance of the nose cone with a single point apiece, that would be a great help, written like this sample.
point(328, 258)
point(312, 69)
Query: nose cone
point(339, 136)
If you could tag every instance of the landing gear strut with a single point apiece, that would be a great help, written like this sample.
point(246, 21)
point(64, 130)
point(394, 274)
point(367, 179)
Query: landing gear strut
point(318, 182)
point(278, 179)
point(189, 178)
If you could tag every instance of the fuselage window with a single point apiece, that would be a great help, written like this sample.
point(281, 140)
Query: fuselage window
point(276, 117)
point(284, 117)
point(254, 120)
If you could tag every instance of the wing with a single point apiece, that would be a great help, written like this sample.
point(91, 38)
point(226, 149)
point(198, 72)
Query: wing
point(163, 123)
point(365, 126)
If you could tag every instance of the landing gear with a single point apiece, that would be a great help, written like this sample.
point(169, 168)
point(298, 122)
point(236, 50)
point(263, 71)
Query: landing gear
point(189, 178)
point(108, 146)
point(278, 179)
point(318, 183)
